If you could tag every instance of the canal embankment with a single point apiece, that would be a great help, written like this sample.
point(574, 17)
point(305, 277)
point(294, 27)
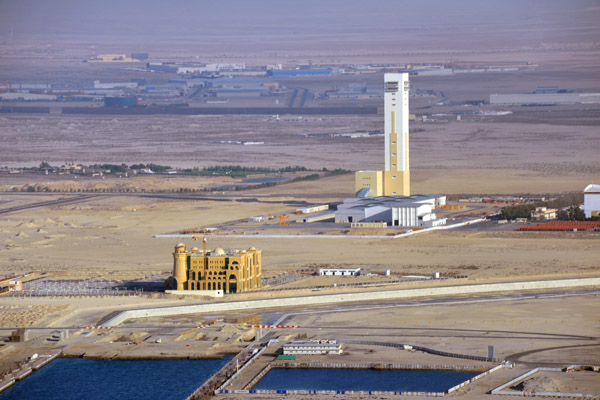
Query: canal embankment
point(453, 290)
point(411, 380)
point(33, 364)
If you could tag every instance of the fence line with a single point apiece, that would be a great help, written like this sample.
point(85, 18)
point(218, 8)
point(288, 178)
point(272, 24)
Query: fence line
point(249, 362)
point(425, 350)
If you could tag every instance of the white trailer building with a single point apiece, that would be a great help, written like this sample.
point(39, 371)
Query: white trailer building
point(339, 271)
point(312, 347)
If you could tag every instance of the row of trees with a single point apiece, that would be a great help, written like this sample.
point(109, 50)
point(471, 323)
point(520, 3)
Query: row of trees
point(572, 213)
point(520, 211)
point(114, 168)
point(231, 170)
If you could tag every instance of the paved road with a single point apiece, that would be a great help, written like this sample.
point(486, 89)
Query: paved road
point(293, 98)
point(169, 196)
point(50, 203)
point(278, 318)
point(516, 358)
point(303, 98)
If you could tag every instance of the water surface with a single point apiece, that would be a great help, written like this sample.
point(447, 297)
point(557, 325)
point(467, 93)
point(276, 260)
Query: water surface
point(77, 378)
point(403, 380)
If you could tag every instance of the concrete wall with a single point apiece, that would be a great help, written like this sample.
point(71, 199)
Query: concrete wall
point(532, 98)
point(350, 297)
point(210, 293)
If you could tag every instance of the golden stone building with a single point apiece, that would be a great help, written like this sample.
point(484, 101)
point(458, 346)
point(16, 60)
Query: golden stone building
point(231, 271)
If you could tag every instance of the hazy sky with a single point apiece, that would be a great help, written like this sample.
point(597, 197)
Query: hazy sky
point(252, 25)
point(180, 16)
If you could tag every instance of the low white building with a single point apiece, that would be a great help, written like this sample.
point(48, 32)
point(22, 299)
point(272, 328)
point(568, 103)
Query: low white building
point(312, 209)
point(339, 271)
point(298, 347)
point(591, 201)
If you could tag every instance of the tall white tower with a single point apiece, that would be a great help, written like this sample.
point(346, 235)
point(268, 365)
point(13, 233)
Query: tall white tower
point(396, 175)
point(394, 180)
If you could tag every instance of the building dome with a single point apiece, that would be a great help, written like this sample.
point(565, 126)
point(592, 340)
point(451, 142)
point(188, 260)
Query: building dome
point(219, 252)
point(252, 248)
point(195, 250)
point(180, 246)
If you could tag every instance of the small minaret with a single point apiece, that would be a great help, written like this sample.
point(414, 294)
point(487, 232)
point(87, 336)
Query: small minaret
point(180, 267)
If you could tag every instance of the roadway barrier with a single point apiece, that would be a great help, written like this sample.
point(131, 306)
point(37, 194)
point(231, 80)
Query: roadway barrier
point(98, 327)
point(500, 389)
point(424, 349)
point(22, 373)
point(209, 386)
point(319, 365)
point(250, 361)
point(43, 360)
point(5, 384)
point(360, 393)
point(473, 379)
point(351, 297)
point(258, 376)
point(26, 370)
point(274, 326)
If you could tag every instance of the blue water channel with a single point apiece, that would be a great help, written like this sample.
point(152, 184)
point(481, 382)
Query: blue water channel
point(402, 380)
point(77, 378)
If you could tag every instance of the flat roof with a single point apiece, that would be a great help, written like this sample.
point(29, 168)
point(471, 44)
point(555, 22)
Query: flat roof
point(387, 201)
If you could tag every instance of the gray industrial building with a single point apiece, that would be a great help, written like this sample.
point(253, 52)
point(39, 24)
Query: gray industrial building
point(545, 98)
point(410, 212)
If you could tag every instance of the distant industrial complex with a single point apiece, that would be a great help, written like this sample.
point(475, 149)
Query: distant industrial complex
point(545, 95)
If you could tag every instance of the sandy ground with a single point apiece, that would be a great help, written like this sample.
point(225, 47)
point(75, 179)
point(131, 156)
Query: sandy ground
point(457, 157)
point(29, 315)
point(530, 151)
point(513, 327)
point(528, 331)
point(585, 382)
point(109, 234)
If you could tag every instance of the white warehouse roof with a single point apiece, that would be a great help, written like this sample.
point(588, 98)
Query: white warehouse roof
point(592, 188)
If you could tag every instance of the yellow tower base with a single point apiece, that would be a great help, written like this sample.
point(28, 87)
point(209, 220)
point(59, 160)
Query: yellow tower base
point(396, 183)
point(369, 179)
